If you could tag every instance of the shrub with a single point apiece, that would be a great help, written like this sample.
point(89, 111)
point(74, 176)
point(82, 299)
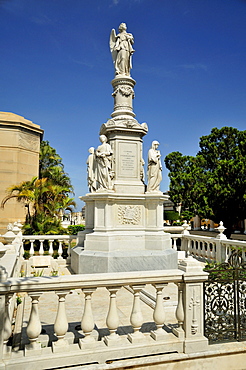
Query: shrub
point(74, 229)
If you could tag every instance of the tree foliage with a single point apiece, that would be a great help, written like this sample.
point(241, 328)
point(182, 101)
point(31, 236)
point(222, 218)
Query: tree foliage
point(44, 197)
point(213, 183)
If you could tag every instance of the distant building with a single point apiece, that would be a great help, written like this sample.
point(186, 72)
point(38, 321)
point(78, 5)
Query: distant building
point(19, 161)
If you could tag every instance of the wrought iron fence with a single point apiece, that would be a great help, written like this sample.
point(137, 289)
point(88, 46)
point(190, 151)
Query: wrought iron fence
point(225, 300)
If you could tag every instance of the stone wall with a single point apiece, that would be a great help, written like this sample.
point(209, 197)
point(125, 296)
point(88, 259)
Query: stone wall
point(19, 160)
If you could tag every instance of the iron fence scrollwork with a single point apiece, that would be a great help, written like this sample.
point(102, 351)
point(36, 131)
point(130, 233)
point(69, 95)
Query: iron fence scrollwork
point(225, 300)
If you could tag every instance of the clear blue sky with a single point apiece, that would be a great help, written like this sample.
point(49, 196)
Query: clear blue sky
point(189, 64)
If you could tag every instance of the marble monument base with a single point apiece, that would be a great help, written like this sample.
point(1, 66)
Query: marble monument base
point(90, 262)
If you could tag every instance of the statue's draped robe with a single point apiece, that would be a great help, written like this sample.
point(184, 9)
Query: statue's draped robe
point(91, 172)
point(154, 170)
point(123, 45)
point(103, 165)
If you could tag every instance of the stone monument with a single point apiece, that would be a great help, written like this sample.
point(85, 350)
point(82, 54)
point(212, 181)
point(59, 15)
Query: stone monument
point(124, 218)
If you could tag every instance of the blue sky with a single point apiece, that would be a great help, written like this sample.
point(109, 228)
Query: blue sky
point(189, 64)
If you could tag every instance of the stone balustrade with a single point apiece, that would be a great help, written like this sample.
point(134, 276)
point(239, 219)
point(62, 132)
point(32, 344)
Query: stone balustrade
point(113, 342)
point(50, 239)
point(216, 249)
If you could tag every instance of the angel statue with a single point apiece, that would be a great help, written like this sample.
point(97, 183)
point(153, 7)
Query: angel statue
point(121, 50)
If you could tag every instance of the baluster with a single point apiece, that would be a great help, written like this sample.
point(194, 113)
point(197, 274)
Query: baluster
point(136, 318)
point(159, 314)
point(112, 320)
point(208, 250)
point(7, 327)
point(60, 250)
point(193, 247)
point(32, 248)
point(227, 252)
point(61, 323)
point(69, 250)
point(188, 252)
point(214, 251)
point(203, 249)
point(179, 331)
point(87, 322)
point(198, 248)
point(22, 249)
point(41, 248)
point(34, 327)
point(51, 251)
point(175, 243)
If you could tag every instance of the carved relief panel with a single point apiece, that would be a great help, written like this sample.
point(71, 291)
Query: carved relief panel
point(129, 215)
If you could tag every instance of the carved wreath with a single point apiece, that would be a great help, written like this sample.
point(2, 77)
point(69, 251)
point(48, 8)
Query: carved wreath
point(124, 90)
point(129, 215)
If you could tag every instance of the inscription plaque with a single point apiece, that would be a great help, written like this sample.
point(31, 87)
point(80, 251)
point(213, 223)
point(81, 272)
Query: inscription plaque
point(128, 160)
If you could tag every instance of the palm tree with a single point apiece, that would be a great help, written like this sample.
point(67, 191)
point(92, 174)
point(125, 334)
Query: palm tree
point(45, 197)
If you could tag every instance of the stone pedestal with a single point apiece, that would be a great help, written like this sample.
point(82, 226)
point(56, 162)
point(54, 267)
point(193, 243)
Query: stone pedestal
point(123, 233)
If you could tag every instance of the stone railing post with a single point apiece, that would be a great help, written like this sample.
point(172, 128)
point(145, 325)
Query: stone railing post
point(69, 251)
point(193, 278)
point(61, 323)
point(179, 331)
point(112, 320)
point(218, 253)
point(32, 248)
point(60, 259)
point(34, 327)
point(60, 249)
point(136, 318)
point(7, 328)
point(159, 314)
point(87, 322)
point(51, 250)
point(41, 248)
point(174, 242)
point(22, 251)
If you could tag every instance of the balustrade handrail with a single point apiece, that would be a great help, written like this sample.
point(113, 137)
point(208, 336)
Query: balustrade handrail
point(240, 243)
point(49, 237)
point(67, 282)
point(200, 237)
point(233, 242)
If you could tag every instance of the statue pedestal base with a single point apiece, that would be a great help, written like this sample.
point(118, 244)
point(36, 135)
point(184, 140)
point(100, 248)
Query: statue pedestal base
point(124, 232)
point(91, 262)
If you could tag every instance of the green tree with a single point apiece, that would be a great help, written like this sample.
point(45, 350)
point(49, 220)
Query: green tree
point(45, 197)
point(213, 183)
point(171, 216)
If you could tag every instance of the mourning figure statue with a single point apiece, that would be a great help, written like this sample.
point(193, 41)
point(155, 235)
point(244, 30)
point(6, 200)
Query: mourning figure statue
point(103, 157)
point(154, 168)
point(91, 165)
